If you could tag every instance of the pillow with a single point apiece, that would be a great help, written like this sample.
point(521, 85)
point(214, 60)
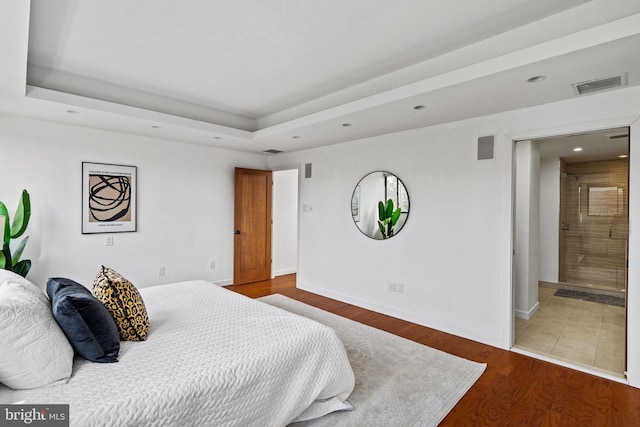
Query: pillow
point(33, 350)
point(124, 302)
point(87, 323)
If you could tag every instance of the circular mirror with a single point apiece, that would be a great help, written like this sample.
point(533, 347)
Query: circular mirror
point(380, 205)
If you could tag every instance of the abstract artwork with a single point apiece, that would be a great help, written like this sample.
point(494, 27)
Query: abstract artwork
point(108, 198)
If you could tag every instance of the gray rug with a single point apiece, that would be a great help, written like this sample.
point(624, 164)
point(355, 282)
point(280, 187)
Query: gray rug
point(587, 296)
point(398, 382)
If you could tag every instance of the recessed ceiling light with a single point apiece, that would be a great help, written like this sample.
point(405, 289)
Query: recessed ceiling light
point(536, 79)
point(623, 156)
point(296, 137)
point(577, 149)
point(73, 112)
point(419, 107)
point(346, 125)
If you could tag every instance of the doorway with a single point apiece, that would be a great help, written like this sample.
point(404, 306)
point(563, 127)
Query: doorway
point(266, 224)
point(578, 259)
point(285, 222)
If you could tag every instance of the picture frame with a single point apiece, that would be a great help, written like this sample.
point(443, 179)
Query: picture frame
point(109, 198)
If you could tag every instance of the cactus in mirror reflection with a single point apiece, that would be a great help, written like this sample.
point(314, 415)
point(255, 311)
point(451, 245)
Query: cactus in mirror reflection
point(13, 230)
point(387, 218)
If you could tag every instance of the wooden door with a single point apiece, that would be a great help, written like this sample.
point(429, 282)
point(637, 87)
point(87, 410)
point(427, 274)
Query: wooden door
point(252, 222)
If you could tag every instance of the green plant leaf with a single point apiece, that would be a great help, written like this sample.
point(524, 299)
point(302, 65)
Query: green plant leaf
point(22, 268)
point(5, 261)
point(381, 211)
point(382, 230)
point(4, 217)
point(18, 252)
point(396, 216)
point(22, 215)
point(389, 209)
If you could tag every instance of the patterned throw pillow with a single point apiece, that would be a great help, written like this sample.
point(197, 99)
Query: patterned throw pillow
point(124, 302)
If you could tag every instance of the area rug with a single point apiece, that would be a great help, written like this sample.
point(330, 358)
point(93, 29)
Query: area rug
point(398, 382)
point(587, 296)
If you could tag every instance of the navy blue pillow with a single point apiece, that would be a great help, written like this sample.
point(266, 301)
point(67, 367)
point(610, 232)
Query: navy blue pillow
point(85, 321)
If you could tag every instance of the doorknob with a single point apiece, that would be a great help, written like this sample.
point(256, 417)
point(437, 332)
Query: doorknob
point(237, 232)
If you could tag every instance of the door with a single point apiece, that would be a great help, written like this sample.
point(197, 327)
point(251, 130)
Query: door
point(596, 212)
point(252, 222)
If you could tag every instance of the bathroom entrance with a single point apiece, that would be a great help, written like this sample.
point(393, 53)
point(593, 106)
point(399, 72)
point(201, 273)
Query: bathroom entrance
point(594, 224)
point(570, 286)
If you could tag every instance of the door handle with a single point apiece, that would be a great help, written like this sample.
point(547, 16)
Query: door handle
point(566, 226)
point(237, 232)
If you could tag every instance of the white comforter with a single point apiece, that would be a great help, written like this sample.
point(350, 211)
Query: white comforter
point(212, 358)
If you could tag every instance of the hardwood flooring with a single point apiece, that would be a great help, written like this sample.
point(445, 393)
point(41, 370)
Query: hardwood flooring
point(515, 390)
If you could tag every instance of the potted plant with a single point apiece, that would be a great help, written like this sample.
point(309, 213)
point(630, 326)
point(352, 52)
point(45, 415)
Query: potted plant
point(13, 230)
point(387, 218)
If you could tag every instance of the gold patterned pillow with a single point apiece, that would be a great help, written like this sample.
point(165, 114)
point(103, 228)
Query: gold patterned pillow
point(124, 302)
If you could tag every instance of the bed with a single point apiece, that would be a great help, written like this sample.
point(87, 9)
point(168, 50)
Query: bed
point(212, 358)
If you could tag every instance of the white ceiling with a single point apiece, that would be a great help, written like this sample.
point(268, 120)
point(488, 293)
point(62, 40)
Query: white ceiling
point(250, 75)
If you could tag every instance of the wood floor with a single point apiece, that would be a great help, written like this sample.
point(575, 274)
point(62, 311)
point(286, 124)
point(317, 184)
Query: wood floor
point(515, 390)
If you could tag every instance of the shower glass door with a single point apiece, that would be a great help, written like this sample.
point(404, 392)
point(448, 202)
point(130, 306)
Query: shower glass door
point(594, 224)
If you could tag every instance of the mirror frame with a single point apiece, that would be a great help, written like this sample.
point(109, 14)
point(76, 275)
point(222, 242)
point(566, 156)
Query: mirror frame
point(372, 230)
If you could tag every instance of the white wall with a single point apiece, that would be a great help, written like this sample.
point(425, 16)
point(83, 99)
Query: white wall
point(454, 255)
point(448, 253)
point(549, 219)
point(185, 203)
point(285, 222)
point(526, 229)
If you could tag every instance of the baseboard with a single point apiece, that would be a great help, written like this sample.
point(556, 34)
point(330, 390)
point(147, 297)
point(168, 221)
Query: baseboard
point(409, 317)
point(224, 282)
point(527, 315)
point(285, 272)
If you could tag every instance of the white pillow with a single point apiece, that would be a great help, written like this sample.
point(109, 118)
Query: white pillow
point(34, 351)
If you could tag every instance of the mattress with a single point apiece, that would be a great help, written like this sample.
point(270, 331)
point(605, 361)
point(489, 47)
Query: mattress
point(212, 358)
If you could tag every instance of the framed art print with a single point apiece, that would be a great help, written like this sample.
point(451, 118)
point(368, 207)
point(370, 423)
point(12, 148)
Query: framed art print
point(108, 198)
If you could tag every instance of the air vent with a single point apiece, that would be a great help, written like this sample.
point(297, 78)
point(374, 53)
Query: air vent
point(272, 151)
point(485, 147)
point(600, 84)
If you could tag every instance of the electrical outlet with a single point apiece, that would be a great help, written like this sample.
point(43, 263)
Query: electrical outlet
point(396, 287)
point(108, 241)
point(161, 271)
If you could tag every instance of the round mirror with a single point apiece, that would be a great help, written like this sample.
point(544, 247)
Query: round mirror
point(380, 205)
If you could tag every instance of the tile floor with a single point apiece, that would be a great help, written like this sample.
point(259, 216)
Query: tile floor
point(575, 331)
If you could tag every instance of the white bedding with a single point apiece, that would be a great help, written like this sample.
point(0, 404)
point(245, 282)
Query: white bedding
point(212, 358)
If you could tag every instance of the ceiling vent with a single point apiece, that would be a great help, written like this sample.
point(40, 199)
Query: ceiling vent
point(600, 84)
point(272, 151)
